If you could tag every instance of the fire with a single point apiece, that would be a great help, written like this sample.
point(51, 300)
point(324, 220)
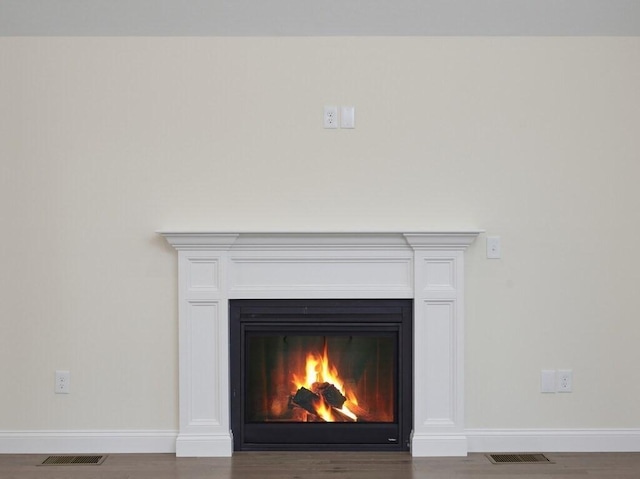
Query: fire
point(321, 375)
point(324, 411)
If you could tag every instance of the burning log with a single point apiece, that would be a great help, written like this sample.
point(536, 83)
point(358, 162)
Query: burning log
point(298, 414)
point(311, 399)
point(330, 393)
point(306, 400)
point(341, 416)
point(359, 411)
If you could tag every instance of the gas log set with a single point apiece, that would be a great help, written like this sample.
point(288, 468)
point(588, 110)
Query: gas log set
point(321, 395)
point(318, 400)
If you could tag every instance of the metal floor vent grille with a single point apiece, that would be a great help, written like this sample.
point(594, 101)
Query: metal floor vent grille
point(73, 461)
point(518, 459)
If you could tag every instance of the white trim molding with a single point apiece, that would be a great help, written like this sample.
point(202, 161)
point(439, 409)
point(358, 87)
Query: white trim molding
point(88, 442)
point(553, 440)
point(167, 442)
point(214, 267)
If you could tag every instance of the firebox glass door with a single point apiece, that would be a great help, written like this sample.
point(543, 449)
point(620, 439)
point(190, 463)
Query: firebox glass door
point(321, 374)
point(301, 378)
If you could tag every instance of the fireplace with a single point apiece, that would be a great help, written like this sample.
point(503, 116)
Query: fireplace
point(321, 374)
point(215, 269)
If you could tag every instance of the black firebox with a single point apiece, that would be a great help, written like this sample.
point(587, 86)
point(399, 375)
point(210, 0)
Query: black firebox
point(321, 374)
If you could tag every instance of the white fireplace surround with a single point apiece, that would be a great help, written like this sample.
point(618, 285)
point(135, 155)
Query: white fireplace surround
point(427, 267)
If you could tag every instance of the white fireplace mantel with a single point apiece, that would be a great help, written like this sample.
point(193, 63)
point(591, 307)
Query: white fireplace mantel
point(214, 267)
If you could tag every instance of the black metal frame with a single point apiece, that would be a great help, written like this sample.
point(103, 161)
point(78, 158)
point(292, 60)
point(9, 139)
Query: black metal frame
point(339, 316)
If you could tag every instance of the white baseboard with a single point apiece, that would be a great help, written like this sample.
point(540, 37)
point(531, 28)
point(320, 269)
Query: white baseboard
point(87, 442)
point(475, 440)
point(194, 445)
point(428, 445)
point(553, 440)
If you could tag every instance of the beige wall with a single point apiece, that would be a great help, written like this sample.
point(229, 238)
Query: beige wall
point(105, 141)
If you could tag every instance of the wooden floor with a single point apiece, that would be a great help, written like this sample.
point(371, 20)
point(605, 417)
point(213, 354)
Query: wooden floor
point(316, 465)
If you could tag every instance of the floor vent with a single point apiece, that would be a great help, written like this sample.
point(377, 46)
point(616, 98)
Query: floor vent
point(518, 459)
point(73, 461)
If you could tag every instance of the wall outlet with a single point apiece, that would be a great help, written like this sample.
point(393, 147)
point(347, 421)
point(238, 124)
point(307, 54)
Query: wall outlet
point(62, 382)
point(331, 117)
point(565, 380)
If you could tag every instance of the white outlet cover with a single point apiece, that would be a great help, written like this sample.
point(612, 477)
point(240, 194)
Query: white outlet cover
point(565, 380)
point(330, 119)
point(63, 382)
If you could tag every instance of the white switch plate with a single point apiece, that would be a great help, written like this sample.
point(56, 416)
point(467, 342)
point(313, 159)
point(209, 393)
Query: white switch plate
point(348, 117)
point(548, 381)
point(494, 251)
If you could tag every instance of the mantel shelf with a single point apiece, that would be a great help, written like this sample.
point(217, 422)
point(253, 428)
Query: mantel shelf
point(186, 240)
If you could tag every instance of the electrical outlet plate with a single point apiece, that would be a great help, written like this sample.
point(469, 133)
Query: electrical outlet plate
point(565, 380)
point(62, 382)
point(331, 117)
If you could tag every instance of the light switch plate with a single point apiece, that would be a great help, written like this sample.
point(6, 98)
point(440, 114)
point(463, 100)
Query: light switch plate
point(348, 117)
point(547, 381)
point(494, 250)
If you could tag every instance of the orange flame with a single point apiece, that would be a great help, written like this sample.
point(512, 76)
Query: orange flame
point(324, 411)
point(318, 369)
